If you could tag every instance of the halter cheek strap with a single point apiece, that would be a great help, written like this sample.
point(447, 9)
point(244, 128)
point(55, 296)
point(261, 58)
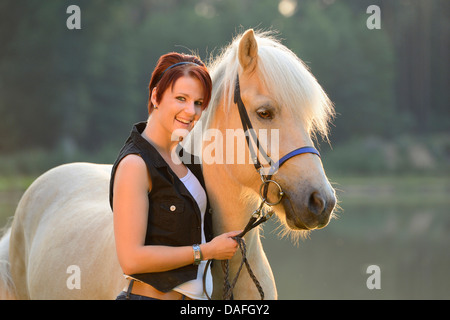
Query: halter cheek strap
point(248, 129)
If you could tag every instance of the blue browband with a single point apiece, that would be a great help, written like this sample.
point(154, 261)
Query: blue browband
point(296, 152)
point(291, 154)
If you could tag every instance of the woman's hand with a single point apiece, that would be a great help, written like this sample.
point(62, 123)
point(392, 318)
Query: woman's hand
point(222, 247)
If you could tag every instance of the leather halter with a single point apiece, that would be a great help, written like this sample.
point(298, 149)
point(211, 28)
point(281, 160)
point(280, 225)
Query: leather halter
point(247, 126)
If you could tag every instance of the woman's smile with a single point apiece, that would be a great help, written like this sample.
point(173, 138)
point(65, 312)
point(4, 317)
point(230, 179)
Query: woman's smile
point(184, 122)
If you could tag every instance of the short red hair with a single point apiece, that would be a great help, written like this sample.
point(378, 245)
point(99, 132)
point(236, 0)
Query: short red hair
point(162, 77)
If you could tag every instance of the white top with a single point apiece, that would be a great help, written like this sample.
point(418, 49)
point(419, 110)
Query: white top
point(194, 288)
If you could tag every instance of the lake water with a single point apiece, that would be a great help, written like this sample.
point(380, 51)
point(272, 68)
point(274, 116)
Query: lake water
point(403, 227)
point(403, 230)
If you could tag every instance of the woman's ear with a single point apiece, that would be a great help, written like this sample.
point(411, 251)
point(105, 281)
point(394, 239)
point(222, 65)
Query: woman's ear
point(153, 98)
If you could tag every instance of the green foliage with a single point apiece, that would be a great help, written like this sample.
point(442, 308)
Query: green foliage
point(79, 91)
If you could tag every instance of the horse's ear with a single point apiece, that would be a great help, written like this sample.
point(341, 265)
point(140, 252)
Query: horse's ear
point(248, 51)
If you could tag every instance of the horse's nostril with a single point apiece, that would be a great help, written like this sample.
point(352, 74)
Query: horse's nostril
point(316, 203)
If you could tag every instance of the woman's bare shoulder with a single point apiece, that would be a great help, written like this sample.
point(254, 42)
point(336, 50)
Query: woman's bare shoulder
point(132, 168)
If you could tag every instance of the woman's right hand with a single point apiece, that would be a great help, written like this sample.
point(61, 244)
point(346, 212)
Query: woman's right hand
point(222, 247)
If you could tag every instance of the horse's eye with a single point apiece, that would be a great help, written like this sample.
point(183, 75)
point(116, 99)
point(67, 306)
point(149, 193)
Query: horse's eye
point(265, 114)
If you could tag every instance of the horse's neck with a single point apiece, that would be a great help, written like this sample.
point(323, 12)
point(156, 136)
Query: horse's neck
point(232, 209)
point(231, 206)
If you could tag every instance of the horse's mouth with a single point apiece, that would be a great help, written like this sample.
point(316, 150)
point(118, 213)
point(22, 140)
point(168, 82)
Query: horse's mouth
point(300, 226)
point(296, 225)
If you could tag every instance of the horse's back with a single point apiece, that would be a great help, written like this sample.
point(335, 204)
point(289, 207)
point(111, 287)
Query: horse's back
point(62, 239)
point(6, 284)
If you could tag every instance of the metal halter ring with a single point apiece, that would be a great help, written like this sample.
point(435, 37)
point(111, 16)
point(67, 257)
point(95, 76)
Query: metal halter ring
point(280, 192)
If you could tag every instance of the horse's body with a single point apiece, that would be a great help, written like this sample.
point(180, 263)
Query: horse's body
point(64, 218)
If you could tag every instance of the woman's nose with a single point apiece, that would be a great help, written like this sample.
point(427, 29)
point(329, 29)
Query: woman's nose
point(192, 109)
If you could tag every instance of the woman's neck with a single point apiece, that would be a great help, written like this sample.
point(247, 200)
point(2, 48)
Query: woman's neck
point(158, 137)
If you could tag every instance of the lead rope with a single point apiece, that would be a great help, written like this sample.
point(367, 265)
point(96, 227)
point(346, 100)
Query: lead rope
point(255, 220)
point(227, 286)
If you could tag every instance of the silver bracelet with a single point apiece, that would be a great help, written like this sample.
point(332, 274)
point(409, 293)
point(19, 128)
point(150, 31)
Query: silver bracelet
point(197, 254)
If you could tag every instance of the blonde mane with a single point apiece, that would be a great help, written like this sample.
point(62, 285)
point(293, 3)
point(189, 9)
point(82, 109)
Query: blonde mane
point(287, 78)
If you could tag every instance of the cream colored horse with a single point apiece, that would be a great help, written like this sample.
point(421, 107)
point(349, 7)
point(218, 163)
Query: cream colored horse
point(62, 242)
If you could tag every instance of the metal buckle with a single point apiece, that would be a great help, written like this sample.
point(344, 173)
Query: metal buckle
point(267, 215)
point(280, 192)
point(257, 212)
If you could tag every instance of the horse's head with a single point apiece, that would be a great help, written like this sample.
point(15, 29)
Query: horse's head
point(281, 96)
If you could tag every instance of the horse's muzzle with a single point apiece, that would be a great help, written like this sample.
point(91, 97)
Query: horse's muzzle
point(309, 212)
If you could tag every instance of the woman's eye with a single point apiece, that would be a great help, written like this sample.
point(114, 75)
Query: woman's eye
point(199, 103)
point(265, 114)
point(181, 98)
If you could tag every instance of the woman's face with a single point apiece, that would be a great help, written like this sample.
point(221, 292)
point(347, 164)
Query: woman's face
point(181, 106)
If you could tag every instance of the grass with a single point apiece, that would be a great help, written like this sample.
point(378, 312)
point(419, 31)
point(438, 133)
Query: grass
point(18, 183)
point(11, 190)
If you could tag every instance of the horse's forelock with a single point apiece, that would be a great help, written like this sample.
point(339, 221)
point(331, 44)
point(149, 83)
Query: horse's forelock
point(286, 77)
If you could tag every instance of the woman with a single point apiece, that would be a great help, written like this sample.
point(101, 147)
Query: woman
point(162, 219)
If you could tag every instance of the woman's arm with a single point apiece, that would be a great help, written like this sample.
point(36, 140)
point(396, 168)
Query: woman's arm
point(131, 186)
